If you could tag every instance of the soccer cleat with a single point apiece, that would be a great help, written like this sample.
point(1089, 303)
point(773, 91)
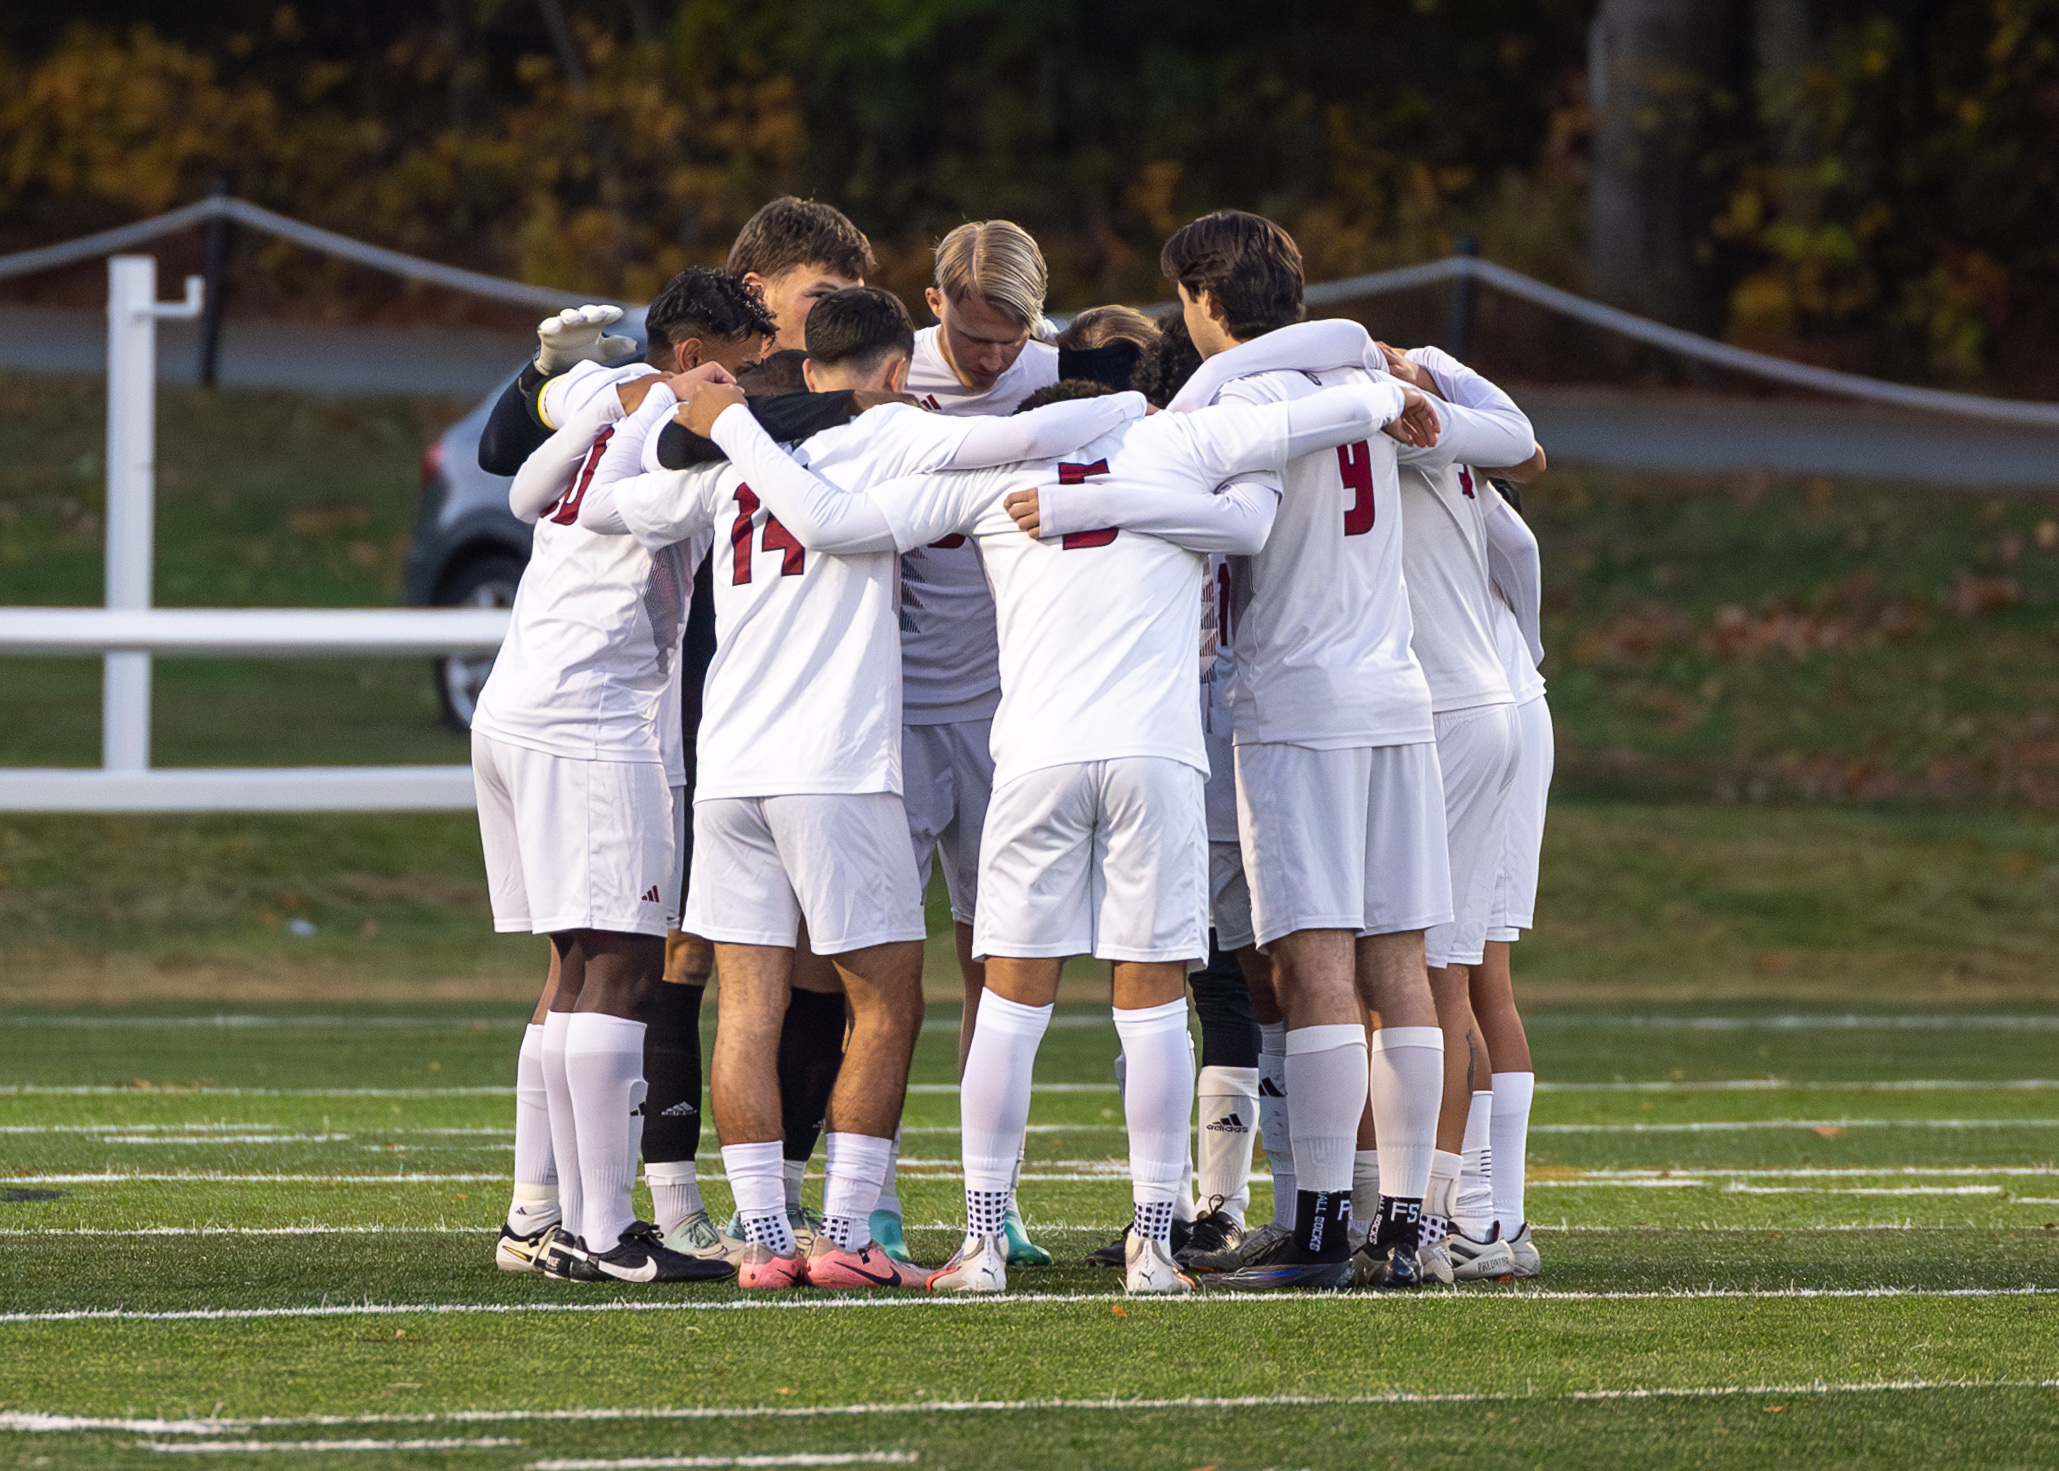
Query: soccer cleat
point(641, 1256)
point(803, 1222)
point(696, 1236)
point(1480, 1261)
point(829, 1265)
point(1433, 1261)
point(565, 1258)
point(1148, 1268)
point(1213, 1245)
point(885, 1227)
point(1022, 1252)
point(1524, 1250)
point(1116, 1252)
point(1389, 1269)
point(763, 1270)
point(518, 1253)
point(1281, 1267)
point(981, 1265)
point(1257, 1243)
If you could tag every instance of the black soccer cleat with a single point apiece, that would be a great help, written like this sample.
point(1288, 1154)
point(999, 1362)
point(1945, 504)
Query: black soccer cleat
point(1391, 1268)
point(1213, 1245)
point(564, 1259)
point(1116, 1253)
point(1284, 1266)
point(642, 1256)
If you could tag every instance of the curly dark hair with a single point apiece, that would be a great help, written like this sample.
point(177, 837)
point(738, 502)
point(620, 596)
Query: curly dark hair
point(704, 303)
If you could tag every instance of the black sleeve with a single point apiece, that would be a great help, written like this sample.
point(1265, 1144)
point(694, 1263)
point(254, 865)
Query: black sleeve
point(1509, 492)
point(515, 428)
point(786, 417)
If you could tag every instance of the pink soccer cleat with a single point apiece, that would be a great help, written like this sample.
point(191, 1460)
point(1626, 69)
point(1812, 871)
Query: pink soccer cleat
point(829, 1265)
point(764, 1270)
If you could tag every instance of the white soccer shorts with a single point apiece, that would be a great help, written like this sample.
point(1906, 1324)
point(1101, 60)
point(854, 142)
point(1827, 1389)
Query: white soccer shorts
point(1347, 839)
point(841, 861)
point(1477, 750)
point(1101, 858)
point(947, 777)
point(1229, 896)
point(577, 845)
point(1515, 896)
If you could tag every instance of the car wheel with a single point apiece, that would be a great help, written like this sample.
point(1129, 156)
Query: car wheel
point(488, 582)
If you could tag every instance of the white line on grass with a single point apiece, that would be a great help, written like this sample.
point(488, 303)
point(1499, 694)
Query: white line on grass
point(234, 1022)
point(915, 1301)
point(36, 1423)
point(791, 1458)
point(213, 1177)
point(1778, 1085)
point(216, 1447)
point(1849, 1022)
point(1727, 1085)
point(1736, 1189)
point(1744, 1125)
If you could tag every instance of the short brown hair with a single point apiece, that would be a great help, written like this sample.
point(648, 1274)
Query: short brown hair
point(1249, 265)
point(1098, 326)
point(859, 327)
point(793, 232)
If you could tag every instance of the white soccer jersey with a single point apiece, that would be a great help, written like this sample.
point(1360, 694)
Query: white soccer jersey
point(1444, 560)
point(590, 666)
point(950, 654)
point(1514, 566)
point(804, 693)
point(1219, 675)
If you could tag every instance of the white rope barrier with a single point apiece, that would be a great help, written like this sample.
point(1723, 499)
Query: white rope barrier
point(216, 789)
point(252, 632)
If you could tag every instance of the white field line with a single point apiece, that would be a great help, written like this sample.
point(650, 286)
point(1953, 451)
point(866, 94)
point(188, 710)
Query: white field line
point(1093, 1228)
point(214, 1177)
point(1781, 1085)
point(1736, 1189)
point(233, 1022)
point(32, 1422)
point(204, 1133)
point(920, 1302)
point(1746, 1125)
point(217, 1447)
point(1821, 1022)
point(789, 1459)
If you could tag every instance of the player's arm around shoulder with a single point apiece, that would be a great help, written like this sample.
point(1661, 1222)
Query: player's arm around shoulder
point(658, 508)
point(821, 516)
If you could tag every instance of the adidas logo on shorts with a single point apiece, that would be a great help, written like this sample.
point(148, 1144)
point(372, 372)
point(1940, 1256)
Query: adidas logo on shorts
point(1230, 1124)
point(1267, 1088)
point(651, 895)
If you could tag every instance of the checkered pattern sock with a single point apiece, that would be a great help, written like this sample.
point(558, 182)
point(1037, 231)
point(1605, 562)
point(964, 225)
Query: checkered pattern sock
point(985, 1210)
point(1153, 1220)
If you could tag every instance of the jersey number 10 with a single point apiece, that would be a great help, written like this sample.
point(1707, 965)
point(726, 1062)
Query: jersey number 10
point(776, 538)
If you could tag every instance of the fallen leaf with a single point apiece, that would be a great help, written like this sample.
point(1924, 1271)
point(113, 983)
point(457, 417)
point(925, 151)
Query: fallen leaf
point(1775, 1409)
point(1828, 1131)
point(1120, 1311)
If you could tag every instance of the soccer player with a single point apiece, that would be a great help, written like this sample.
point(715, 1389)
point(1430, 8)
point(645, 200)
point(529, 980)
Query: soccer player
point(981, 358)
point(803, 819)
point(1340, 801)
point(1096, 838)
point(578, 764)
point(797, 252)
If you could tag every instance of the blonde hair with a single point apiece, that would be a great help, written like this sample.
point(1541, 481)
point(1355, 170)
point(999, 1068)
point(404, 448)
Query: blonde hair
point(997, 261)
point(1098, 326)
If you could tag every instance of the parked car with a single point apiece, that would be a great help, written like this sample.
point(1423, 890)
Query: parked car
point(468, 550)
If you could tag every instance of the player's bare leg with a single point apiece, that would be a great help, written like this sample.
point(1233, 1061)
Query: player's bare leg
point(1405, 1075)
point(974, 974)
point(1323, 1064)
point(811, 1050)
point(756, 986)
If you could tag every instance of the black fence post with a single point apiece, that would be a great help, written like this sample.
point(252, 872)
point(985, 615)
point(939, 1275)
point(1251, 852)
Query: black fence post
point(218, 228)
point(1460, 337)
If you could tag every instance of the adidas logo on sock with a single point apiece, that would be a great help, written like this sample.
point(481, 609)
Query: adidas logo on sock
point(1267, 1088)
point(679, 1110)
point(1230, 1124)
point(651, 895)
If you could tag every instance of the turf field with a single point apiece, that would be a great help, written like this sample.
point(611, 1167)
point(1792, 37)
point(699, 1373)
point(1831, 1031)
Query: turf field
point(1769, 1238)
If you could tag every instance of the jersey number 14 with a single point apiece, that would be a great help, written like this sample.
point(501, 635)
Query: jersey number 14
point(775, 538)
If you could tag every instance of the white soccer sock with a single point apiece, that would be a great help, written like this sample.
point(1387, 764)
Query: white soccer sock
point(535, 1203)
point(604, 1065)
point(564, 1128)
point(1157, 1100)
point(1407, 1083)
point(1365, 1186)
point(1326, 1068)
point(1184, 1209)
point(857, 1163)
point(1510, 1132)
point(889, 1199)
point(793, 1173)
point(675, 1193)
point(1474, 1209)
point(994, 1099)
point(1442, 1195)
point(1274, 1119)
point(1229, 1107)
point(755, 1172)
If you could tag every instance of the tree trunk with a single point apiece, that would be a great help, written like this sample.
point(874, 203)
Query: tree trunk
point(1656, 74)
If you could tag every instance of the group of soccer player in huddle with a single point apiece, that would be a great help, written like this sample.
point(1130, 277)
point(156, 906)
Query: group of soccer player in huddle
point(1205, 645)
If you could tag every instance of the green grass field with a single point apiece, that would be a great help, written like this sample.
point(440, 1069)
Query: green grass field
point(1769, 1238)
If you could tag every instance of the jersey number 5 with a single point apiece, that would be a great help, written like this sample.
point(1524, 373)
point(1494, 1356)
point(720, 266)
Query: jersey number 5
point(1355, 463)
point(793, 557)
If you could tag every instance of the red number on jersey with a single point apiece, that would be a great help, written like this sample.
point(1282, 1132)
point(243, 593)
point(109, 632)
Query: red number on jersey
point(1078, 475)
point(1465, 482)
point(1222, 605)
point(950, 543)
point(793, 557)
point(1355, 463)
point(568, 504)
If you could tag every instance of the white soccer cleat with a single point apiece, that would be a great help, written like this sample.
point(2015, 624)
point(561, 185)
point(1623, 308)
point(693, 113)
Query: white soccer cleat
point(696, 1236)
point(578, 334)
point(1474, 1260)
point(1433, 1260)
point(517, 1253)
point(981, 1265)
point(1524, 1250)
point(1149, 1268)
